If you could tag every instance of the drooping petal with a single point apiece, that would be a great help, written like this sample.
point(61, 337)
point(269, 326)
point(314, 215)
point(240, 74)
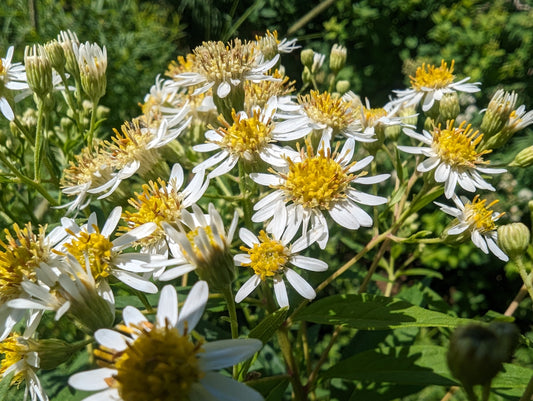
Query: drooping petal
point(223, 353)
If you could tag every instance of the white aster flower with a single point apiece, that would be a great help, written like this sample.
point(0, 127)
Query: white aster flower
point(271, 257)
point(430, 83)
point(105, 256)
point(314, 184)
point(23, 252)
point(21, 360)
point(476, 219)
point(373, 121)
point(160, 203)
point(204, 247)
point(452, 153)
point(326, 115)
point(269, 45)
point(250, 138)
point(161, 361)
point(224, 67)
point(12, 78)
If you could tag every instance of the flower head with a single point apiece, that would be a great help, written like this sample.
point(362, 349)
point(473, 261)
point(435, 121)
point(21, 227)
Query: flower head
point(92, 63)
point(250, 138)
point(477, 219)
point(271, 257)
point(313, 184)
point(430, 83)
point(160, 360)
point(453, 153)
point(12, 78)
point(269, 45)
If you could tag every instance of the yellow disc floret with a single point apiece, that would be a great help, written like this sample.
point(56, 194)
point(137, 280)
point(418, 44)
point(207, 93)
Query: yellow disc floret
point(161, 364)
point(336, 113)
point(268, 258)
point(431, 77)
point(370, 117)
point(247, 136)
point(22, 253)
point(317, 180)
point(96, 247)
point(457, 146)
point(12, 352)
point(480, 216)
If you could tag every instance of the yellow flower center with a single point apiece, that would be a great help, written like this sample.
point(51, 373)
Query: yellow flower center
point(316, 181)
point(247, 136)
point(156, 204)
point(268, 257)
point(457, 146)
point(220, 63)
point(160, 364)
point(258, 93)
point(325, 109)
point(480, 216)
point(372, 116)
point(22, 254)
point(429, 76)
point(88, 163)
point(96, 247)
point(193, 234)
point(12, 352)
point(3, 71)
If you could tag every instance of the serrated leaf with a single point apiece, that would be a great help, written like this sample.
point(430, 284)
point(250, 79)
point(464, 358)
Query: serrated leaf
point(374, 312)
point(417, 365)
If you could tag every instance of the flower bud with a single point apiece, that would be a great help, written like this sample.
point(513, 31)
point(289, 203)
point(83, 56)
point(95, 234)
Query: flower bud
point(38, 70)
point(67, 40)
point(472, 355)
point(337, 58)
point(498, 111)
point(342, 86)
point(514, 239)
point(449, 107)
point(53, 352)
point(56, 55)
point(306, 56)
point(92, 62)
point(306, 75)
point(524, 158)
point(408, 114)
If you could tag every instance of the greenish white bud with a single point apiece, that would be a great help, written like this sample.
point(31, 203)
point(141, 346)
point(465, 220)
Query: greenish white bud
point(92, 62)
point(449, 107)
point(38, 70)
point(342, 86)
point(67, 40)
point(56, 55)
point(514, 239)
point(337, 58)
point(524, 158)
point(306, 56)
point(498, 111)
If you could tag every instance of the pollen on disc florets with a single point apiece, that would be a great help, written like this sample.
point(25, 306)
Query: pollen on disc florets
point(317, 180)
point(431, 77)
point(480, 216)
point(372, 116)
point(268, 257)
point(94, 246)
point(89, 166)
point(12, 351)
point(161, 364)
point(258, 93)
point(457, 146)
point(157, 203)
point(323, 108)
point(246, 137)
point(22, 254)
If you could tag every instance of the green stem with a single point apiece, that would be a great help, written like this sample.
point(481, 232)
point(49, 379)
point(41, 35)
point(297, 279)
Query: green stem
point(246, 204)
point(24, 131)
point(39, 138)
point(234, 323)
point(71, 102)
point(286, 350)
point(323, 357)
point(90, 135)
point(528, 393)
point(526, 278)
point(27, 180)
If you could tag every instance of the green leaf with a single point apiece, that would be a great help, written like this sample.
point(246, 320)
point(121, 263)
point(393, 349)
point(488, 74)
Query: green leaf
point(422, 272)
point(272, 388)
point(422, 365)
point(268, 326)
point(397, 195)
point(373, 312)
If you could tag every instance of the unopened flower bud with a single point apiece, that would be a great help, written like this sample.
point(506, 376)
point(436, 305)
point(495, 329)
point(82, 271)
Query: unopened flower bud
point(92, 62)
point(337, 58)
point(67, 40)
point(306, 56)
point(514, 239)
point(318, 60)
point(392, 132)
point(472, 355)
point(408, 115)
point(38, 70)
point(498, 111)
point(449, 107)
point(56, 55)
point(524, 158)
point(306, 75)
point(53, 352)
point(342, 86)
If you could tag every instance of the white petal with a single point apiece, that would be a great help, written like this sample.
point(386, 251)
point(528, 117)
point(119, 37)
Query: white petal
point(111, 222)
point(223, 89)
point(224, 167)
point(450, 184)
point(111, 339)
point(479, 241)
point(91, 380)
point(176, 272)
point(266, 179)
point(428, 164)
point(193, 307)
point(176, 176)
point(248, 237)
point(221, 354)
point(308, 263)
point(281, 292)
point(458, 229)
point(372, 179)
point(241, 259)
point(495, 249)
point(247, 288)
point(132, 316)
point(135, 281)
point(167, 309)
point(442, 172)
point(134, 235)
point(300, 285)
point(366, 199)
point(223, 388)
point(6, 109)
